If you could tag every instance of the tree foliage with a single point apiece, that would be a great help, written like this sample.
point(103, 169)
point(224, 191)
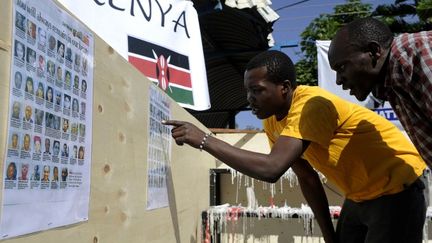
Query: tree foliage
point(406, 16)
point(324, 28)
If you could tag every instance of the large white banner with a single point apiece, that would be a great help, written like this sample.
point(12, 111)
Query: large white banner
point(48, 156)
point(160, 37)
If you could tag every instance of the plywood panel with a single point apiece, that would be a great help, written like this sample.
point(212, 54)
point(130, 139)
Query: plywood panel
point(119, 166)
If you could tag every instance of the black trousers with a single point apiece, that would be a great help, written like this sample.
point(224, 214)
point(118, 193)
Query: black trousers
point(397, 218)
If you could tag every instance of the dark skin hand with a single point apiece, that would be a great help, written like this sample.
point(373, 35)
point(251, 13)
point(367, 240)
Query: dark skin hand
point(266, 167)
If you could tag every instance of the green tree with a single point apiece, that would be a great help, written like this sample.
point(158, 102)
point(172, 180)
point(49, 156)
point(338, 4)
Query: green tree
point(324, 28)
point(424, 11)
point(406, 16)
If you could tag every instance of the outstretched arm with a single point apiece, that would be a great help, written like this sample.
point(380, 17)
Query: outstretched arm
point(314, 194)
point(265, 167)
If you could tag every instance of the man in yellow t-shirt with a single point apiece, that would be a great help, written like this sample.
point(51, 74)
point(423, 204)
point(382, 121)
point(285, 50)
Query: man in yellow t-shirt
point(367, 157)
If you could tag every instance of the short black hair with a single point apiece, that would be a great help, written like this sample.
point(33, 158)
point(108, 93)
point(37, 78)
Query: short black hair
point(365, 30)
point(279, 66)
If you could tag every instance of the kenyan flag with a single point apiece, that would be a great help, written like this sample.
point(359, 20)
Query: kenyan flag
point(168, 69)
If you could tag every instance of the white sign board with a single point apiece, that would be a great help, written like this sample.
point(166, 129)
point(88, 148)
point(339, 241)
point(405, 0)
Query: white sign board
point(160, 37)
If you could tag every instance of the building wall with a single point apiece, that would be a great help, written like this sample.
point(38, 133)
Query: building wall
point(118, 172)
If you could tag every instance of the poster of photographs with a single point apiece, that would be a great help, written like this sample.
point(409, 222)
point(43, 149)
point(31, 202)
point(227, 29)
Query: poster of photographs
point(159, 149)
point(47, 161)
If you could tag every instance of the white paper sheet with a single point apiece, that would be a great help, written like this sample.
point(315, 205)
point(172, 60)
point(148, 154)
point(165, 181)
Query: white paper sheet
point(48, 155)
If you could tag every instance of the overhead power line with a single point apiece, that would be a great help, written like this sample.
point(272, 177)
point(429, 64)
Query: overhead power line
point(292, 4)
point(322, 4)
point(314, 16)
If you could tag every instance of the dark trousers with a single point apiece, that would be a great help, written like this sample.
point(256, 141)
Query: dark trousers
point(397, 218)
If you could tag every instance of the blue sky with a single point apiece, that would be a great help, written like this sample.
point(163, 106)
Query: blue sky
point(288, 27)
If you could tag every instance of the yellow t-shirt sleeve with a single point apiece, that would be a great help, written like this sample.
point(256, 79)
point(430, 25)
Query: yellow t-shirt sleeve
point(314, 120)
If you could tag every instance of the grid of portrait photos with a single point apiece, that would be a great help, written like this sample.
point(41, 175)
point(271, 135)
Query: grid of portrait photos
point(47, 121)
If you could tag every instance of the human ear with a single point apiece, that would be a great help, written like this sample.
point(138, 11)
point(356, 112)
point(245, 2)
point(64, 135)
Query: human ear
point(286, 86)
point(374, 49)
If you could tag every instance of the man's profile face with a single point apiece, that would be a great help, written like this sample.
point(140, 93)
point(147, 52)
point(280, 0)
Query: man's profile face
point(354, 67)
point(264, 97)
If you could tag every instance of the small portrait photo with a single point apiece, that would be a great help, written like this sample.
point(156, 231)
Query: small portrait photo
point(52, 43)
point(57, 122)
point(76, 82)
point(46, 174)
point(20, 21)
point(31, 29)
point(82, 130)
point(49, 96)
point(39, 115)
point(66, 101)
point(47, 150)
point(11, 171)
point(41, 63)
point(26, 143)
point(56, 148)
point(74, 128)
point(58, 97)
point(16, 110)
point(81, 152)
point(14, 141)
point(68, 56)
point(67, 78)
point(50, 68)
point(18, 80)
point(41, 37)
point(75, 152)
point(37, 145)
point(65, 127)
point(49, 120)
point(19, 51)
point(35, 174)
point(59, 73)
point(31, 57)
point(40, 90)
point(29, 85)
point(75, 106)
point(28, 114)
point(60, 49)
point(24, 172)
point(64, 174)
point(84, 64)
point(65, 150)
point(84, 86)
point(83, 107)
point(55, 176)
point(77, 60)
